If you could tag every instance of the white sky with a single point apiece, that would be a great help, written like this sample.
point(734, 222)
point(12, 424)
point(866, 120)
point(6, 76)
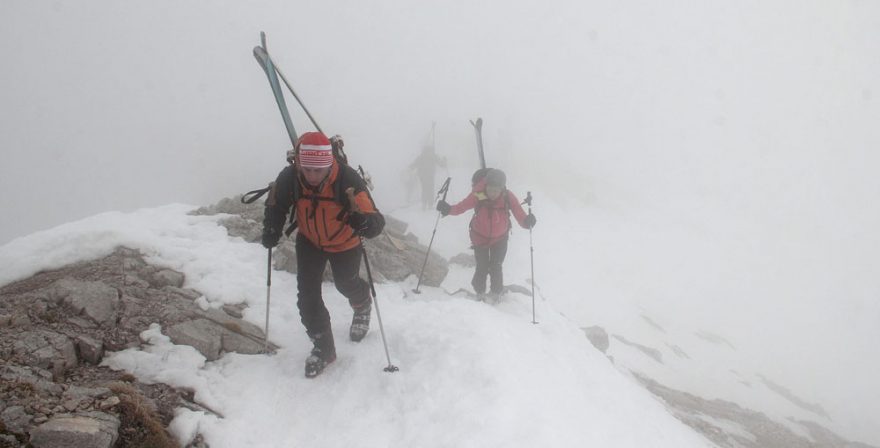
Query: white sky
point(721, 156)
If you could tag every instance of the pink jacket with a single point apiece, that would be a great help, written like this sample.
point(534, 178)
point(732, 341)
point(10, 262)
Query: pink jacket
point(491, 221)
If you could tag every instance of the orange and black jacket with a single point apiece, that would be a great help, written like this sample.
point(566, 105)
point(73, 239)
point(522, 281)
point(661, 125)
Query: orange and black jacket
point(322, 212)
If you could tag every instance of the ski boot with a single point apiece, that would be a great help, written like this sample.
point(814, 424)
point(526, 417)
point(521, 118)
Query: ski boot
point(323, 353)
point(360, 323)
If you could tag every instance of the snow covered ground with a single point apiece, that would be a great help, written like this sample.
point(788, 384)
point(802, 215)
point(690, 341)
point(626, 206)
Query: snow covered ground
point(470, 374)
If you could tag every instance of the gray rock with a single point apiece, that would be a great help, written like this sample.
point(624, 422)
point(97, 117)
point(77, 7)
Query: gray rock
point(464, 259)
point(8, 440)
point(234, 310)
point(134, 280)
point(41, 348)
point(183, 292)
point(95, 300)
point(395, 225)
point(247, 229)
point(109, 402)
point(234, 342)
point(20, 320)
point(655, 354)
point(202, 334)
point(167, 277)
point(80, 322)
point(5, 320)
point(90, 350)
point(39, 379)
point(231, 323)
point(88, 430)
point(15, 419)
point(75, 396)
point(598, 337)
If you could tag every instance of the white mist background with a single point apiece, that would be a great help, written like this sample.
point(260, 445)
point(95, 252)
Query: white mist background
point(723, 154)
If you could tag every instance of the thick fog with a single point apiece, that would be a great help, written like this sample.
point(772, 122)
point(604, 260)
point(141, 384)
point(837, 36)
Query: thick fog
point(753, 126)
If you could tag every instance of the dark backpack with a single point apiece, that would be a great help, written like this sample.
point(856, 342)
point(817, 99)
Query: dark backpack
point(495, 174)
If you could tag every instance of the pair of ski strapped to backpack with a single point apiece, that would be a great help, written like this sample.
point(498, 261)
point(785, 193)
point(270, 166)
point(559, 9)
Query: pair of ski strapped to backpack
point(348, 177)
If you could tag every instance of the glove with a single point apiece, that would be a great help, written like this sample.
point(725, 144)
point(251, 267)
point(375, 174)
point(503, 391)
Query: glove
point(270, 237)
point(530, 221)
point(443, 207)
point(358, 223)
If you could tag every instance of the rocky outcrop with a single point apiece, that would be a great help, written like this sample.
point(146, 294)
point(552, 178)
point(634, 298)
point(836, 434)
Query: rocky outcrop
point(87, 430)
point(55, 328)
point(93, 300)
point(598, 337)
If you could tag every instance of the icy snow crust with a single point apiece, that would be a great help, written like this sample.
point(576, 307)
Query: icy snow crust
point(471, 374)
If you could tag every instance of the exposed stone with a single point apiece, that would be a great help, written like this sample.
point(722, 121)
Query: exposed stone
point(5, 320)
point(20, 320)
point(202, 334)
point(42, 347)
point(653, 353)
point(233, 342)
point(80, 322)
point(234, 310)
point(242, 227)
point(134, 280)
point(75, 396)
point(598, 337)
point(167, 277)
point(95, 300)
point(15, 419)
point(8, 440)
point(395, 225)
point(87, 430)
point(109, 403)
point(38, 378)
point(464, 259)
point(90, 350)
point(183, 292)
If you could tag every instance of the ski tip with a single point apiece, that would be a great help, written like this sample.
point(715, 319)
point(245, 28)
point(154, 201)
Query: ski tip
point(263, 39)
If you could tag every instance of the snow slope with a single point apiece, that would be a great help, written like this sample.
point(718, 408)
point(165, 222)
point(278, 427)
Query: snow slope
point(470, 374)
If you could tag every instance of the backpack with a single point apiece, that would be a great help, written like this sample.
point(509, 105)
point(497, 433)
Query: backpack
point(484, 173)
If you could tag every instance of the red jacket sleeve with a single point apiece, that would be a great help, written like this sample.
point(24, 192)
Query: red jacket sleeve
point(466, 204)
point(517, 209)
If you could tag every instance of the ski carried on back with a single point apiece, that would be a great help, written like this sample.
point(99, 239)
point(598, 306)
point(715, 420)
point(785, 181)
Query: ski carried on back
point(478, 128)
point(262, 56)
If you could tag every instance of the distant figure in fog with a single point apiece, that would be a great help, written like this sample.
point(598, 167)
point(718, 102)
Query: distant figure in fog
point(425, 167)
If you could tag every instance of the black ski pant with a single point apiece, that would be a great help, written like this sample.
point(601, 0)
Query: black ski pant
point(489, 261)
point(311, 262)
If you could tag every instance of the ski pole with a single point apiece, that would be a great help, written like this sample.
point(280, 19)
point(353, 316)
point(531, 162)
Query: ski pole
point(391, 368)
point(354, 207)
point(528, 201)
point(443, 190)
point(268, 292)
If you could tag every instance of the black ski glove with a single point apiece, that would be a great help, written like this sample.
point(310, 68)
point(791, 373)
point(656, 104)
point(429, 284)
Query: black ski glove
point(443, 207)
point(359, 223)
point(270, 237)
point(530, 221)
